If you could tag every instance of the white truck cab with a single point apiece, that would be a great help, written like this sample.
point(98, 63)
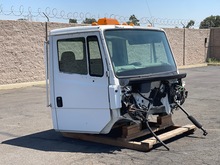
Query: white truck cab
point(105, 74)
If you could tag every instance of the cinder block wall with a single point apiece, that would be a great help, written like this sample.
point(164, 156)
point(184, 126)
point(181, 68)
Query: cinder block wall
point(188, 45)
point(22, 45)
point(21, 52)
point(22, 58)
point(196, 51)
point(175, 37)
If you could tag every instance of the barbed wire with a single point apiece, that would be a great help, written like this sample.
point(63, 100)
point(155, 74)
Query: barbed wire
point(53, 13)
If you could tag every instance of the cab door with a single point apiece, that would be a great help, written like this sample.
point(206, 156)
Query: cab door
point(80, 84)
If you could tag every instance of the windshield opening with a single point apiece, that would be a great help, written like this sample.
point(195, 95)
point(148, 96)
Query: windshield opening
point(139, 52)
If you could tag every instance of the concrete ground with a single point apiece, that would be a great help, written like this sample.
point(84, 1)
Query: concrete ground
point(27, 137)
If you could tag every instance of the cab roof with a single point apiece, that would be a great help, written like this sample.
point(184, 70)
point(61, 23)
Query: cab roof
point(78, 29)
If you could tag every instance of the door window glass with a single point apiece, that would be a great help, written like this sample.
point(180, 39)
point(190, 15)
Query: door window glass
point(95, 60)
point(72, 56)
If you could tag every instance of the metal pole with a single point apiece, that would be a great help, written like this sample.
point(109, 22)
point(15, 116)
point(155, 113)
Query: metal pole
point(184, 43)
point(46, 60)
point(184, 46)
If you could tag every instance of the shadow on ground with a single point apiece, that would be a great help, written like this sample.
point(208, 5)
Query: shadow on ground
point(53, 141)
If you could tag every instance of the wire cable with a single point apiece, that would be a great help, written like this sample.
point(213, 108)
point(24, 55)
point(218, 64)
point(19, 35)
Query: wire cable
point(151, 131)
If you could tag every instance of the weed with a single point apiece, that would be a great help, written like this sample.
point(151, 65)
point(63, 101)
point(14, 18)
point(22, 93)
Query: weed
point(213, 60)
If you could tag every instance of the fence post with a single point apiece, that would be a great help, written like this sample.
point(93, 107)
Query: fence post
point(184, 45)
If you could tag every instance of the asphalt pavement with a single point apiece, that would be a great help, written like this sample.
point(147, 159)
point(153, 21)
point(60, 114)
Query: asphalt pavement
point(27, 137)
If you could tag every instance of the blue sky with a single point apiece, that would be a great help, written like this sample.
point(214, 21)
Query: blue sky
point(152, 9)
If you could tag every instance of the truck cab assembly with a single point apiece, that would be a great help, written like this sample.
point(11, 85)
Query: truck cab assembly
point(109, 75)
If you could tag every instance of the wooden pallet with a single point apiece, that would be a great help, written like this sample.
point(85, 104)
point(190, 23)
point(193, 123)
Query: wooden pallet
point(133, 137)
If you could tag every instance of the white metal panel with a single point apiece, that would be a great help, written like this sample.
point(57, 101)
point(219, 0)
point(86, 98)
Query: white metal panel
point(82, 91)
point(115, 96)
point(77, 29)
point(82, 120)
point(85, 98)
point(51, 84)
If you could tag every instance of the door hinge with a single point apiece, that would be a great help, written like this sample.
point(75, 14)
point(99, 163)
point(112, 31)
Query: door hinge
point(107, 73)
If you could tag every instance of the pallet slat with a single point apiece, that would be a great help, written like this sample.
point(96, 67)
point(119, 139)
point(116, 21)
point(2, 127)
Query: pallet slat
point(144, 145)
point(168, 135)
point(107, 140)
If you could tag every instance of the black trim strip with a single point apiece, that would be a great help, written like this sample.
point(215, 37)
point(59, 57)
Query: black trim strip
point(154, 78)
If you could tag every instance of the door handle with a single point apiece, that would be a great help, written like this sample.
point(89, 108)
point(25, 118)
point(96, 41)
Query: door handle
point(59, 101)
